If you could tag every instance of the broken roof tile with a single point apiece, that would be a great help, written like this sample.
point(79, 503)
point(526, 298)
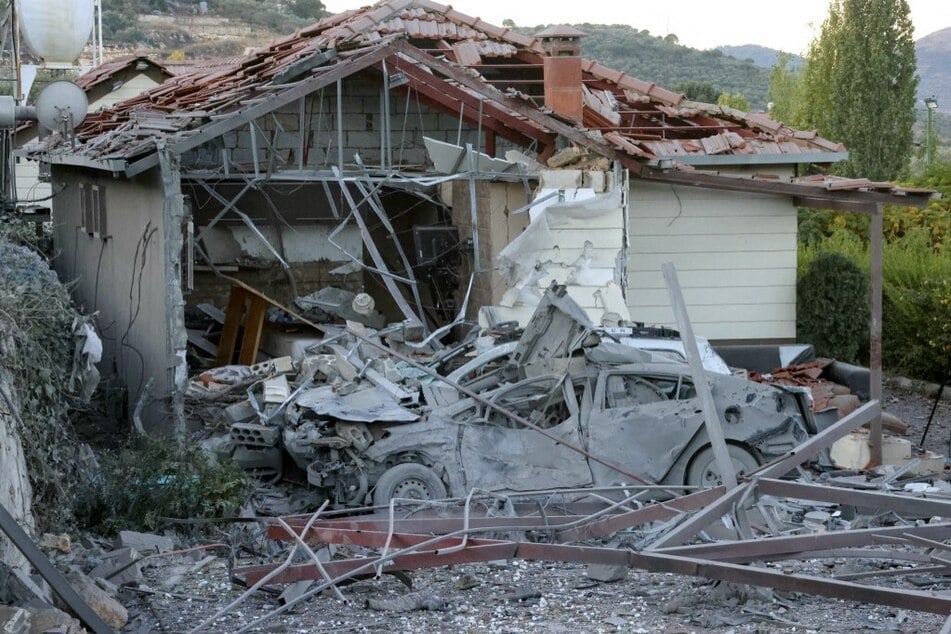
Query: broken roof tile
point(649, 110)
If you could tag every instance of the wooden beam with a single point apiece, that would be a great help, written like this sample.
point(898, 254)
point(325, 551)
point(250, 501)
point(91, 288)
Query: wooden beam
point(517, 106)
point(444, 101)
point(440, 90)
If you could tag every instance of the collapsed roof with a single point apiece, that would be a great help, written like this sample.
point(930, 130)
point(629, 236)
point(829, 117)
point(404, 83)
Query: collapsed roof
point(495, 76)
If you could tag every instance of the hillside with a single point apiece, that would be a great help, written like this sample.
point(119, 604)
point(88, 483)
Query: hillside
point(934, 67)
point(181, 28)
point(169, 27)
point(664, 61)
point(760, 55)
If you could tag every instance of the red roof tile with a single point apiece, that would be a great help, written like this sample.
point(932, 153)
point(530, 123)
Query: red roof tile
point(645, 120)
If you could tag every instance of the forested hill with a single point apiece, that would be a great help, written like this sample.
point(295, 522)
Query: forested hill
point(136, 24)
point(665, 62)
point(934, 67)
point(761, 55)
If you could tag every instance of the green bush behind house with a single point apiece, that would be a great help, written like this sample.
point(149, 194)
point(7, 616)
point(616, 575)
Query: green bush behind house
point(916, 265)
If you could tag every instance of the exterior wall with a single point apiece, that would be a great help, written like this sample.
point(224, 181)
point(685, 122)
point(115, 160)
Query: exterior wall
point(362, 122)
point(29, 186)
point(131, 87)
point(122, 277)
point(735, 255)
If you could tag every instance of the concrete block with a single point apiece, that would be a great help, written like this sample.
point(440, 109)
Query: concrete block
point(230, 140)
point(360, 88)
point(14, 620)
point(51, 620)
point(145, 542)
point(359, 140)
point(116, 561)
point(109, 610)
point(560, 179)
point(360, 122)
point(289, 121)
point(607, 574)
point(596, 180)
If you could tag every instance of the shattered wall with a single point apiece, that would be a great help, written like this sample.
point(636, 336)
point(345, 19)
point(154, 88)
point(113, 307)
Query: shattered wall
point(121, 275)
point(577, 242)
point(497, 227)
point(735, 255)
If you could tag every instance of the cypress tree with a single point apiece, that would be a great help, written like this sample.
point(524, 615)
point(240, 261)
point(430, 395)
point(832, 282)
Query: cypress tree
point(860, 82)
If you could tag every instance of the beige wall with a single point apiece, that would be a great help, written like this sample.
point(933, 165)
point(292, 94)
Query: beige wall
point(735, 255)
point(29, 187)
point(129, 263)
point(135, 86)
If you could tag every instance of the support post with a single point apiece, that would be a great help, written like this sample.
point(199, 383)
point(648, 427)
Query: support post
point(875, 347)
point(339, 122)
point(473, 211)
point(711, 419)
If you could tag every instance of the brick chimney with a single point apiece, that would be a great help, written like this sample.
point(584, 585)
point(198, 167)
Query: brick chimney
point(562, 65)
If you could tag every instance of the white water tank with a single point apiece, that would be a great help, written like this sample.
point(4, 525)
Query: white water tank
point(56, 30)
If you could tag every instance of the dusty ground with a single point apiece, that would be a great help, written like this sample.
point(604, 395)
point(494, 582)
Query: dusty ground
point(560, 597)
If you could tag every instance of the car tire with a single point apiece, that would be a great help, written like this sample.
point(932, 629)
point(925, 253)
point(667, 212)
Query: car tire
point(408, 480)
point(703, 472)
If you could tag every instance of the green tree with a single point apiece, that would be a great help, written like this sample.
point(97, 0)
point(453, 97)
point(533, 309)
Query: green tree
point(307, 9)
point(860, 83)
point(702, 91)
point(119, 19)
point(735, 100)
point(785, 92)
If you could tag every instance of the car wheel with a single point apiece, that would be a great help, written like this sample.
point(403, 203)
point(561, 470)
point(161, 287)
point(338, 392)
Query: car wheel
point(703, 471)
point(408, 480)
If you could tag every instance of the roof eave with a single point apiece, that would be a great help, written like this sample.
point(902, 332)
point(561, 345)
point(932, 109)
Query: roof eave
point(115, 166)
point(742, 160)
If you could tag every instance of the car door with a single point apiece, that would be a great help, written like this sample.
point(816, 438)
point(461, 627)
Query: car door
point(500, 454)
point(641, 423)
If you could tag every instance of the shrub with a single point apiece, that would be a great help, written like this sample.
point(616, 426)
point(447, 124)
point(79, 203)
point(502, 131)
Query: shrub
point(36, 316)
point(833, 307)
point(155, 478)
point(917, 328)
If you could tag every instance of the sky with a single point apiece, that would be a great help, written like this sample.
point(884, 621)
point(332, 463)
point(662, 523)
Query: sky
point(703, 24)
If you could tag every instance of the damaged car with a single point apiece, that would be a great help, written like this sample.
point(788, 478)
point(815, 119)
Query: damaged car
point(633, 409)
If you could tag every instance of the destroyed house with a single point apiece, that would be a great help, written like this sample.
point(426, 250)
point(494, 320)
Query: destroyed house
point(396, 150)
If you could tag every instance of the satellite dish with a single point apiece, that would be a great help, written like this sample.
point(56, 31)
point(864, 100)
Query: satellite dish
point(61, 106)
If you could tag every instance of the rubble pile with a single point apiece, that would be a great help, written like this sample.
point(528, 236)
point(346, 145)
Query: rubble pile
point(546, 467)
point(49, 354)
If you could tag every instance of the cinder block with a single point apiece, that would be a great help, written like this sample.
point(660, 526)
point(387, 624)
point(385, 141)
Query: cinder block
point(360, 140)
point(360, 88)
point(360, 122)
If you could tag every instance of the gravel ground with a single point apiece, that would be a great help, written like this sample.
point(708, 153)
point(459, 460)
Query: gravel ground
point(554, 597)
point(561, 598)
point(914, 409)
